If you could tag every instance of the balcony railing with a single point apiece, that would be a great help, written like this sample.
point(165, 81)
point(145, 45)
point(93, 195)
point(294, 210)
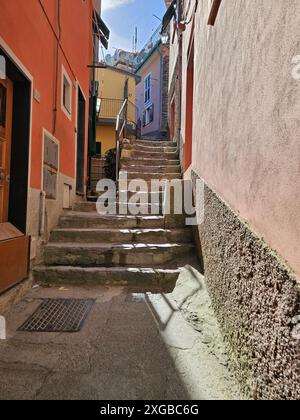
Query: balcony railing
point(110, 108)
point(150, 46)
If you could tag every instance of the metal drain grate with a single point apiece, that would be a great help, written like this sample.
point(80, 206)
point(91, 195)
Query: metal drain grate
point(59, 315)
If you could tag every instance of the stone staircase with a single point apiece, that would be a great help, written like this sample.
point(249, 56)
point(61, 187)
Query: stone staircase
point(143, 250)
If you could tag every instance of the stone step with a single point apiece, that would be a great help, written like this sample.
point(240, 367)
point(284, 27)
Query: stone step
point(176, 169)
point(149, 149)
point(131, 276)
point(147, 176)
point(90, 220)
point(122, 235)
point(109, 254)
point(145, 208)
point(85, 206)
point(143, 161)
point(143, 195)
point(155, 143)
point(133, 154)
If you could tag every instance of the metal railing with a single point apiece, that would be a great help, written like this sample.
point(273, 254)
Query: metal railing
point(149, 46)
point(121, 128)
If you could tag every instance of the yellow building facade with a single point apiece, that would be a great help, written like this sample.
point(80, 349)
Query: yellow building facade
point(115, 84)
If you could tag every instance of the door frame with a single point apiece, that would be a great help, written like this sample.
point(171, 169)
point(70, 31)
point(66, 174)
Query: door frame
point(8, 85)
point(18, 245)
point(26, 73)
point(79, 91)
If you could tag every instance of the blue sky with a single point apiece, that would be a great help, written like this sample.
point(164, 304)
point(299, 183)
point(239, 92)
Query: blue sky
point(121, 16)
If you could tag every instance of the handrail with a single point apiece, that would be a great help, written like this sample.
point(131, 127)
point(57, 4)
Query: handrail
point(119, 133)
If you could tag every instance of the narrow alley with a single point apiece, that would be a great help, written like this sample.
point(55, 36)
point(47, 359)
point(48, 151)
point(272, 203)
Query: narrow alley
point(149, 201)
point(134, 345)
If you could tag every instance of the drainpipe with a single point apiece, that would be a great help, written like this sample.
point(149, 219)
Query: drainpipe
point(42, 212)
point(179, 81)
point(56, 68)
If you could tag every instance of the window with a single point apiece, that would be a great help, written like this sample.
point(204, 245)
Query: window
point(50, 167)
point(148, 116)
point(98, 148)
point(147, 88)
point(66, 101)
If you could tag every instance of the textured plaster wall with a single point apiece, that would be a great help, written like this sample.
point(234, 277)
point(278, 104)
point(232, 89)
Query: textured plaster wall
point(246, 149)
point(247, 130)
point(256, 299)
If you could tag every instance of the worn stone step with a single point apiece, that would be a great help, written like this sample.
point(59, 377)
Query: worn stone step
point(85, 206)
point(151, 197)
point(94, 220)
point(149, 162)
point(122, 235)
point(126, 195)
point(147, 168)
point(109, 254)
point(154, 143)
point(147, 176)
point(150, 154)
point(149, 149)
point(131, 276)
point(141, 208)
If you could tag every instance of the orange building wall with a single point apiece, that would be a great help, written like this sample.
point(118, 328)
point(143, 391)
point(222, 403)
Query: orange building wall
point(34, 44)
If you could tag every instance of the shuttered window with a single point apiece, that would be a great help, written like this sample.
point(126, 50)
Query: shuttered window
point(51, 163)
point(148, 89)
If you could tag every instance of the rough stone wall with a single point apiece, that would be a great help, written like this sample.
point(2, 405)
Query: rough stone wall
point(256, 299)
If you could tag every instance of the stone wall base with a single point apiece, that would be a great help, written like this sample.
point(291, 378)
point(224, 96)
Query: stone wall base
point(256, 299)
point(12, 296)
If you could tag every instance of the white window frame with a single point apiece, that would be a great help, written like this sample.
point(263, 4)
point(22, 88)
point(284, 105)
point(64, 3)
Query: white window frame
point(147, 115)
point(65, 76)
point(147, 89)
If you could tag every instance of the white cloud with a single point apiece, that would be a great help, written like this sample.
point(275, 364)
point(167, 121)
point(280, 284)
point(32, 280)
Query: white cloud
point(114, 4)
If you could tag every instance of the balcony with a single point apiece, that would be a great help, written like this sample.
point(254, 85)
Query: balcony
point(110, 108)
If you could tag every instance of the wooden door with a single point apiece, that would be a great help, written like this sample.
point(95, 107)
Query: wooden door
point(6, 100)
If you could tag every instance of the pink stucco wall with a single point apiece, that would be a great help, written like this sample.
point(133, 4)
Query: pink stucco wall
point(247, 108)
point(153, 66)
